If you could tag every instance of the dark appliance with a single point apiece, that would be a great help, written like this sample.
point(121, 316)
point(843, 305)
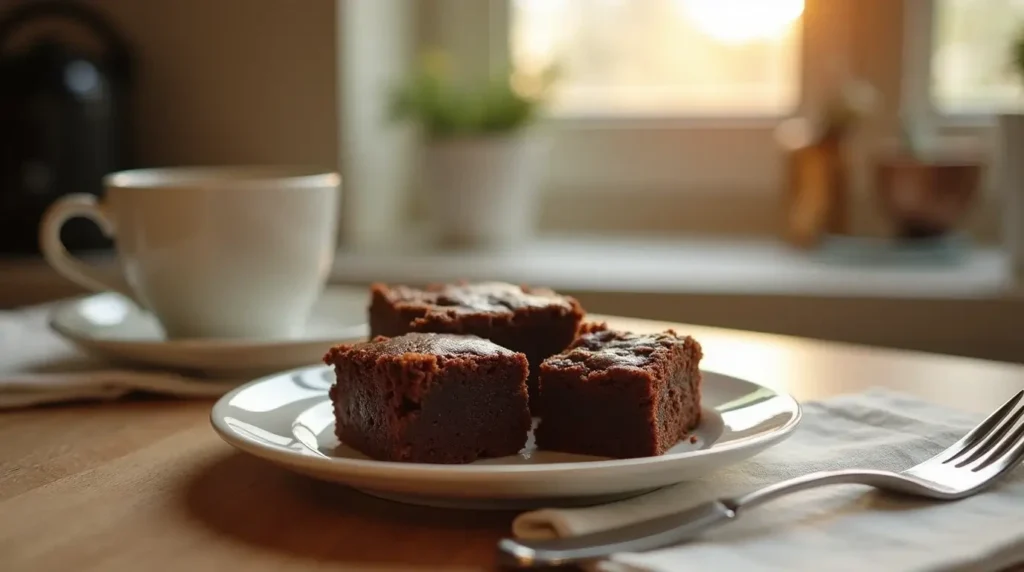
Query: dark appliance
point(63, 119)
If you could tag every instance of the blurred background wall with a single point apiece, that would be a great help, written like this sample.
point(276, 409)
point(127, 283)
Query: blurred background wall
point(229, 81)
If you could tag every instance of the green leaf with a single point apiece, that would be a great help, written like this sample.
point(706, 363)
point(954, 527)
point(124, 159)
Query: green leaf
point(432, 98)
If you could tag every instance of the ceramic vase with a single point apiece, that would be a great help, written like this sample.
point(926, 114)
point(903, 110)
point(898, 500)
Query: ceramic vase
point(926, 197)
point(482, 191)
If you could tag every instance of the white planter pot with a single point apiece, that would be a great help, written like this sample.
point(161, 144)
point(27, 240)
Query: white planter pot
point(482, 191)
point(1010, 181)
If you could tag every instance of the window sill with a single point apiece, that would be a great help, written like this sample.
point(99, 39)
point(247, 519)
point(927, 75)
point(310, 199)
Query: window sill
point(690, 266)
point(669, 265)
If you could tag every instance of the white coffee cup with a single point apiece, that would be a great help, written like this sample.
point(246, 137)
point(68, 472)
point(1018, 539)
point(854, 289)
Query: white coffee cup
point(225, 252)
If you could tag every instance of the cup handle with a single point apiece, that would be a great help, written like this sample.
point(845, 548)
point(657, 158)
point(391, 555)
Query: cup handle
point(57, 255)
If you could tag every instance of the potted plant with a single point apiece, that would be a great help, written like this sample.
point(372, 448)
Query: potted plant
point(482, 157)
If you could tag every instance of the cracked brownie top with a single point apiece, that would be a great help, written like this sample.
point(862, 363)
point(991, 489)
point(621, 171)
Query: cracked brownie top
point(474, 298)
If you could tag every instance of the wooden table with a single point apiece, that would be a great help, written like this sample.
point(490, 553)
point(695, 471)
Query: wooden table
point(146, 483)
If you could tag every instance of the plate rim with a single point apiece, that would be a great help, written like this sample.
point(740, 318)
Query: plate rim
point(348, 333)
point(337, 465)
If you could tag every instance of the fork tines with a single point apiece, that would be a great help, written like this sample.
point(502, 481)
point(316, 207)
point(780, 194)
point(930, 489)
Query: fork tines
point(992, 440)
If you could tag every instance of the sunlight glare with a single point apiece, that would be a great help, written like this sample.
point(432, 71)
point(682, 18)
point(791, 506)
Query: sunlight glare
point(741, 21)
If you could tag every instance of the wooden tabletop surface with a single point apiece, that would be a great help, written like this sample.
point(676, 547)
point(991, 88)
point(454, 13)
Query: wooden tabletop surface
point(146, 484)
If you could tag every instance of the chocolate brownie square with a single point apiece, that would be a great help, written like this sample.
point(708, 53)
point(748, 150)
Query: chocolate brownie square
point(430, 398)
point(619, 394)
point(535, 321)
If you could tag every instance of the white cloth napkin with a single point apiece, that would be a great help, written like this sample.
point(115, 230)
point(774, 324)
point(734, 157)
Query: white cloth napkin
point(38, 367)
point(837, 528)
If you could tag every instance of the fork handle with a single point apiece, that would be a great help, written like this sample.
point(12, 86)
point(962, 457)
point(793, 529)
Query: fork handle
point(809, 481)
point(665, 530)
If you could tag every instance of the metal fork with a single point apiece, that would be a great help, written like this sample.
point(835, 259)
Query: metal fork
point(966, 467)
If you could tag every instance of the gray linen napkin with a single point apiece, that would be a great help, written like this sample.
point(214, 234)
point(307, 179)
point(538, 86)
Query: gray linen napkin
point(38, 367)
point(837, 528)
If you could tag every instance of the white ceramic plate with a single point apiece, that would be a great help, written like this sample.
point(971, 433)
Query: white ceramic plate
point(287, 419)
point(113, 327)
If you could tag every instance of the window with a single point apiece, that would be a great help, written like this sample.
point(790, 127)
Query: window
point(971, 61)
point(665, 97)
point(663, 57)
point(665, 117)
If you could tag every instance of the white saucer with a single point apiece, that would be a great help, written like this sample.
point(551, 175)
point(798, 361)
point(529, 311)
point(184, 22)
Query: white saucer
point(287, 419)
point(113, 327)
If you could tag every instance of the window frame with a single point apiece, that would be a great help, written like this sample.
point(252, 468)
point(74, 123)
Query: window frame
point(919, 39)
point(974, 131)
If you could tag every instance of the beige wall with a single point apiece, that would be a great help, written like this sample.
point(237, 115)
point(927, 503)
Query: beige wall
point(224, 81)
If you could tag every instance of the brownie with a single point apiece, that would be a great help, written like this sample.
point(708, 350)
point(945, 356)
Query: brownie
point(430, 398)
point(535, 321)
point(619, 394)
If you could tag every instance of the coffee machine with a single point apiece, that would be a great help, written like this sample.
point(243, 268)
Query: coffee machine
point(64, 119)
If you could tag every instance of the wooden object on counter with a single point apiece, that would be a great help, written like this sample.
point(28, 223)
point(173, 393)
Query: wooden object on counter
point(816, 198)
point(816, 195)
point(1009, 183)
point(147, 484)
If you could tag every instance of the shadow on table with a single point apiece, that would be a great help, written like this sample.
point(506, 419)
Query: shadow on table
point(259, 504)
